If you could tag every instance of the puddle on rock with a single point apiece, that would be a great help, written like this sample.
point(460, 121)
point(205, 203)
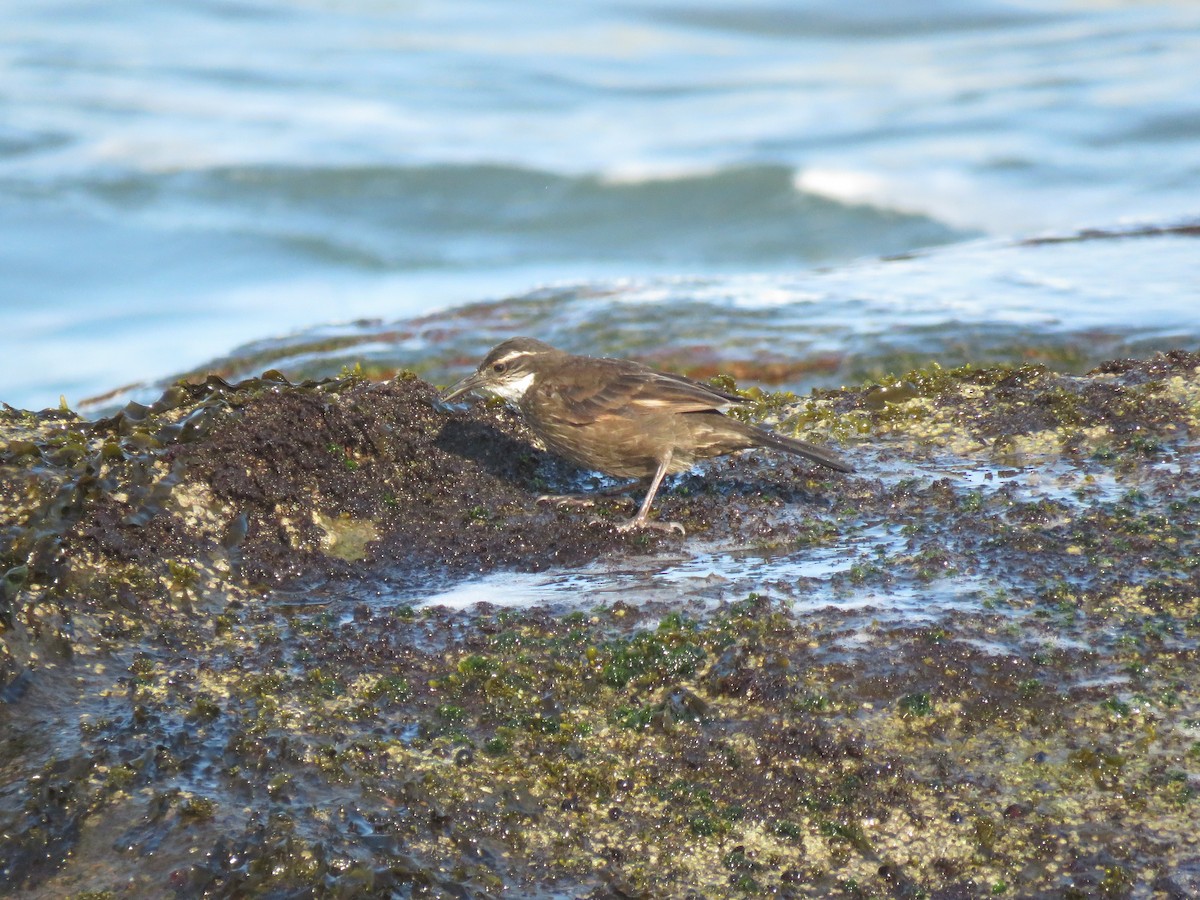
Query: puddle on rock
point(708, 576)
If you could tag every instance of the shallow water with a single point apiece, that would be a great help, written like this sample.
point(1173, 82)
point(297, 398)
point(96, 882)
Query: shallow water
point(177, 179)
point(710, 576)
point(1069, 305)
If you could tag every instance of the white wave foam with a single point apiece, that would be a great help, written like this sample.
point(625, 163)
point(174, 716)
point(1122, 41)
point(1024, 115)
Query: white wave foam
point(842, 185)
point(946, 196)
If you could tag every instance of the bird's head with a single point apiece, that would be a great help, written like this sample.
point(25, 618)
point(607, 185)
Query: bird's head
point(507, 371)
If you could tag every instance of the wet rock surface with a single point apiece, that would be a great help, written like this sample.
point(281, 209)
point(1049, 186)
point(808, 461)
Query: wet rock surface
point(220, 674)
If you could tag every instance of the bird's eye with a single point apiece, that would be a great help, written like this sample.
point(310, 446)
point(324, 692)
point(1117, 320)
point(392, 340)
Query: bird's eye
point(500, 368)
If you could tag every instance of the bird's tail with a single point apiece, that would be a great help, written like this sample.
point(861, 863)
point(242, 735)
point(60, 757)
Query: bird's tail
point(801, 448)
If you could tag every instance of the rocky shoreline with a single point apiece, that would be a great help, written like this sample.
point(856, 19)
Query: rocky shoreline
point(219, 675)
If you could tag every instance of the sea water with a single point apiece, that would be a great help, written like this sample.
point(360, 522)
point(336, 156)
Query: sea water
point(178, 178)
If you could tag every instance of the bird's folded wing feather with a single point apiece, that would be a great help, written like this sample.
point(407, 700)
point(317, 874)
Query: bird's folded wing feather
point(637, 389)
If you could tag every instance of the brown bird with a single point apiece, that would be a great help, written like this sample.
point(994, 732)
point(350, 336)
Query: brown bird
point(620, 417)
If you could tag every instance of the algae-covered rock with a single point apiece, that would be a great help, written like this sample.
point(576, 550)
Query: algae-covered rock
point(217, 677)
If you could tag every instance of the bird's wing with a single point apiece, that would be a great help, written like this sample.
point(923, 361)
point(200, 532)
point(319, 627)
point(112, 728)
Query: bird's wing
point(623, 387)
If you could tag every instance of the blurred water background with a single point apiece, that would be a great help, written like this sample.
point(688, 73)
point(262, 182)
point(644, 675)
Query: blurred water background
point(179, 178)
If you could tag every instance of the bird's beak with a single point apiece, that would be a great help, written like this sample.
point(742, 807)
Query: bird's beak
point(472, 382)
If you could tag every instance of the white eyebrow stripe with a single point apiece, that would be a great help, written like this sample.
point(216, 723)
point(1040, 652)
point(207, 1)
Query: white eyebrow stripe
point(515, 354)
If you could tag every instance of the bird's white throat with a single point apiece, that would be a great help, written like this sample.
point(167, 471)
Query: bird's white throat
point(513, 391)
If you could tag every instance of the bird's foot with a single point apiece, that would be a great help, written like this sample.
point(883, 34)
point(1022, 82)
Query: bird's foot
point(638, 523)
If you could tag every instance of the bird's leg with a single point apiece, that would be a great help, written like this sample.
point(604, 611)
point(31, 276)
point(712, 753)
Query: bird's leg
point(588, 499)
point(641, 520)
